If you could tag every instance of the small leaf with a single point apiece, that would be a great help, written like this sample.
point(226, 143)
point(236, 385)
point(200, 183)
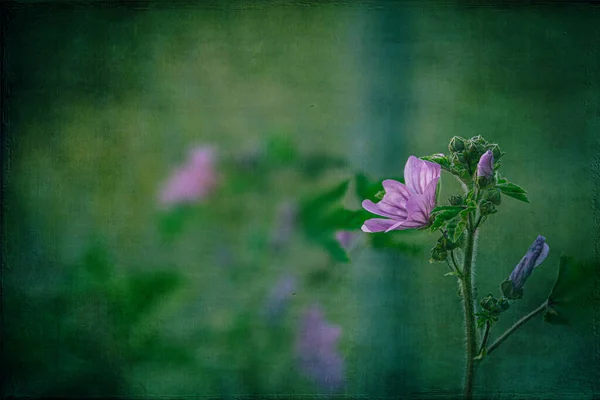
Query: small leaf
point(451, 273)
point(443, 214)
point(440, 159)
point(334, 249)
point(456, 226)
point(365, 188)
point(552, 317)
point(514, 191)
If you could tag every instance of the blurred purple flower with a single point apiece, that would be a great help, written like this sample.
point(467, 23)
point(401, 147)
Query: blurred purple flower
point(536, 254)
point(193, 181)
point(345, 239)
point(284, 224)
point(279, 297)
point(485, 167)
point(316, 350)
point(408, 206)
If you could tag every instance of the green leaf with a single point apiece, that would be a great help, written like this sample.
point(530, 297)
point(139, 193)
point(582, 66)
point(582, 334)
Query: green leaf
point(171, 222)
point(334, 249)
point(317, 204)
point(572, 290)
point(456, 226)
point(512, 190)
point(281, 150)
point(551, 316)
point(365, 188)
point(369, 189)
point(443, 214)
point(440, 159)
point(323, 215)
point(314, 165)
point(389, 241)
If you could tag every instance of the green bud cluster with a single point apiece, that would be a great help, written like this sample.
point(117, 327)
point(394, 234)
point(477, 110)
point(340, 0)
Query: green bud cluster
point(440, 251)
point(466, 153)
point(491, 309)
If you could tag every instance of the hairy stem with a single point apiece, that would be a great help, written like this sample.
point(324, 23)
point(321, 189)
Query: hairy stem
point(469, 310)
point(516, 326)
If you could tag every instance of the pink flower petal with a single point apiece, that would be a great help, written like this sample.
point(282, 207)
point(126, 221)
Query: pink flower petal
point(383, 209)
point(430, 194)
point(395, 192)
point(377, 225)
point(418, 173)
point(417, 209)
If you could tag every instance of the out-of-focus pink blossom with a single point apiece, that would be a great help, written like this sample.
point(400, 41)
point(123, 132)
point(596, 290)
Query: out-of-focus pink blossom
point(193, 181)
point(285, 223)
point(405, 206)
point(345, 238)
point(316, 350)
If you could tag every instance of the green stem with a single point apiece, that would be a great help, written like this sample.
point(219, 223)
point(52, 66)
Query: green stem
point(516, 326)
point(486, 337)
point(469, 311)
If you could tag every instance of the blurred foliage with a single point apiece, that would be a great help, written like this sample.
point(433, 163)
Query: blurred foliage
point(103, 101)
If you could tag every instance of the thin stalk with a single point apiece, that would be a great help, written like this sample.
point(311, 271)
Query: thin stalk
point(454, 261)
point(516, 326)
point(486, 337)
point(469, 310)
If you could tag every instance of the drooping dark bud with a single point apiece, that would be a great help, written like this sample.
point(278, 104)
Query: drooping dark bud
point(512, 288)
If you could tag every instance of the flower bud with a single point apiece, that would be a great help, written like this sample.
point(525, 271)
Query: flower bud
point(488, 208)
point(457, 200)
point(439, 253)
point(495, 197)
point(495, 149)
point(457, 144)
point(489, 303)
point(536, 254)
point(485, 167)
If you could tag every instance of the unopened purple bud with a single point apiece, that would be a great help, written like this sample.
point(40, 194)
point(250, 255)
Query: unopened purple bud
point(485, 167)
point(536, 254)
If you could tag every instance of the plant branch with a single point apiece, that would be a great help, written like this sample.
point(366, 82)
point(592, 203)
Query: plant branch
point(516, 326)
point(486, 337)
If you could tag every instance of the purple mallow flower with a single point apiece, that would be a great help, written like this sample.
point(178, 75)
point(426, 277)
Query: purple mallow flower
point(536, 254)
point(192, 181)
point(407, 206)
point(485, 167)
point(285, 223)
point(316, 350)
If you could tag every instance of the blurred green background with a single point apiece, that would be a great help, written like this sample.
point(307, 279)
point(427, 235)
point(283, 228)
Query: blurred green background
point(106, 294)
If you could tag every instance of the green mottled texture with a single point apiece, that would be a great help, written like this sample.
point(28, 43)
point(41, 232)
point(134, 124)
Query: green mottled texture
point(102, 101)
